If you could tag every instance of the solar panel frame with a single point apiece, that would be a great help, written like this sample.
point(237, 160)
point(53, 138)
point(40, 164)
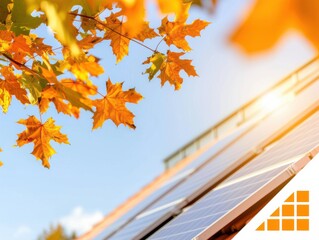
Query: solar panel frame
point(248, 156)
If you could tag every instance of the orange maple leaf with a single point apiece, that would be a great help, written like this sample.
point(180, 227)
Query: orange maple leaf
point(112, 106)
point(269, 20)
point(77, 99)
point(79, 86)
point(50, 94)
point(169, 67)
point(175, 32)
point(11, 85)
point(119, 33)
point(40, 135)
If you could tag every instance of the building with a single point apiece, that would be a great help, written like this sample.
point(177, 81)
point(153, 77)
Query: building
point(215, 184)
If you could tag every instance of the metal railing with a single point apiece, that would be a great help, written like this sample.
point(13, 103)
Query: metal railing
point(290, 85)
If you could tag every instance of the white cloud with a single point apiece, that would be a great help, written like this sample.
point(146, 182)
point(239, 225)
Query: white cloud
point(79, 221)
point(23, 232)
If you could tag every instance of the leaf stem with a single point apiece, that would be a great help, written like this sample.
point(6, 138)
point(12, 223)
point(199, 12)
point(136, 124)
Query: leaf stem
point(159, 43)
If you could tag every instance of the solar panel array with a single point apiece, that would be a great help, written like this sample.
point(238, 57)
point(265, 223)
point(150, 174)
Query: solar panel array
point(123, 220)
point(219, 166)
point(221, 200)
point(213, 206)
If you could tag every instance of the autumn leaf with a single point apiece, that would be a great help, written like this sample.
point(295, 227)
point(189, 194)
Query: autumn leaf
point(120, 36)
point(268, 21)
point(5, 100)
point(145, 33)
point(10, 85)
point(34, 84)
point(112, 106)
point(169, 67)
point(175, 32)
point(135, 14)
point(82, 66)
point(59, 20)
point(62, 70)
point(4, 11)
point(170, 6)
point(41, 135)
point(50, 94)
point(79, 86)
point(22, 21)
point(75, 98)
point(156, 61)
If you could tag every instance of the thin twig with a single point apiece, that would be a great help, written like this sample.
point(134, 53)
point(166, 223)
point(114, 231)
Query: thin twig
point(113, 30)
point(159, 43)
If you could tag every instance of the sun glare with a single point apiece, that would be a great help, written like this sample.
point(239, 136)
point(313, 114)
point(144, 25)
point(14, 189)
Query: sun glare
point(271, 101)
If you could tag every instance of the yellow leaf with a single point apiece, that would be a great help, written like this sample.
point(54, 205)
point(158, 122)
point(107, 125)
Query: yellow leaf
point(170, 68)
point(5, 100)
point(59, 20)
point(112, 106)
point(134, 10)
point(170, 6)
point(156, 61)
point(40, 135)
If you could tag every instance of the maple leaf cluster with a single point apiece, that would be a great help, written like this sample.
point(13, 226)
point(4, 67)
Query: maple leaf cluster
point(34, 72)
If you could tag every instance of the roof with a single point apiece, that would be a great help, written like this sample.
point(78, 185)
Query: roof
point(217, 188)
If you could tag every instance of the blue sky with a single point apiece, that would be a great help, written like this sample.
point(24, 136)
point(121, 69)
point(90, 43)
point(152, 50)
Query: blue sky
point(100, 169)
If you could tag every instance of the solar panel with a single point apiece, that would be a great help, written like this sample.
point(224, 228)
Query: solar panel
point(220, 166)
point(123, 220)
point(134, 211)
point(296, 143)
point(220, 201)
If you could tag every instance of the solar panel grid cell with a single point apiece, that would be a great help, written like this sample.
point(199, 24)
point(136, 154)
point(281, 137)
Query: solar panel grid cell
point(224, 162)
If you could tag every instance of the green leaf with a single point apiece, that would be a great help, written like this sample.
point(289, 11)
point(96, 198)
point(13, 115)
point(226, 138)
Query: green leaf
point(35, 85)
point(156, 61)
point(4, 11)
point(22, 21)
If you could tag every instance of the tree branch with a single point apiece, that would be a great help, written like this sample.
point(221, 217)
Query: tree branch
point(113, 30)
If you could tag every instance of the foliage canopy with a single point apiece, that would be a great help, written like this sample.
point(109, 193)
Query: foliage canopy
point(39, 74)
